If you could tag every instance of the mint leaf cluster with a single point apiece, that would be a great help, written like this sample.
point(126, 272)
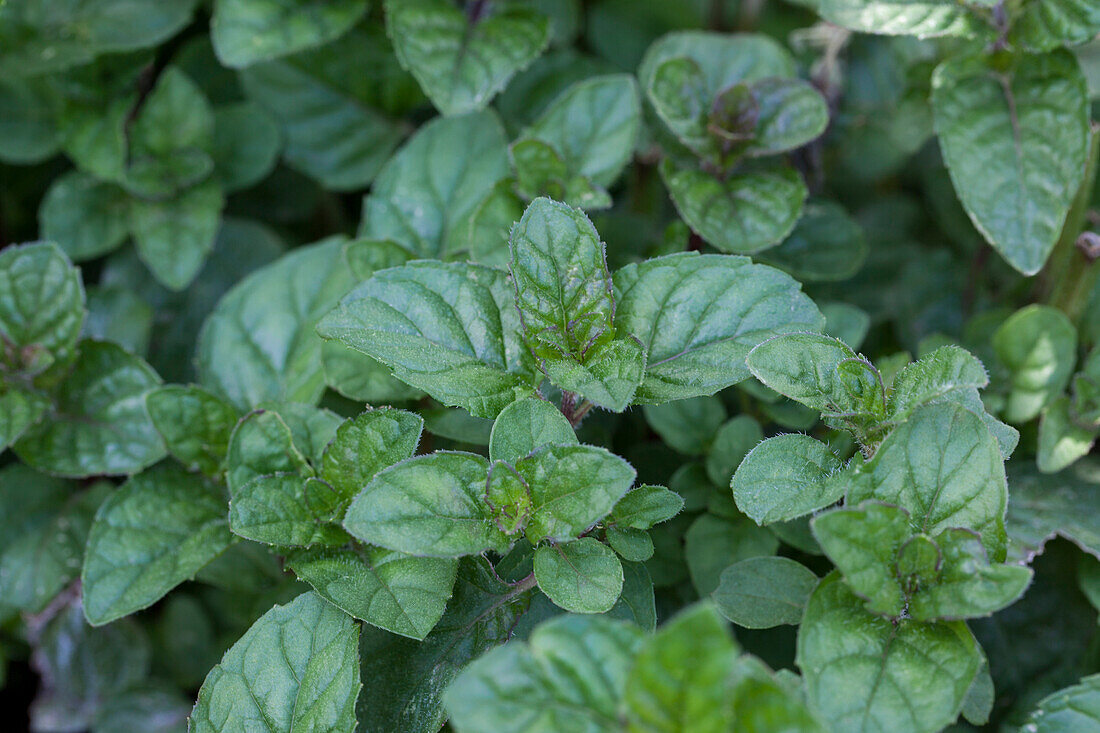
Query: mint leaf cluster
point(549, 365)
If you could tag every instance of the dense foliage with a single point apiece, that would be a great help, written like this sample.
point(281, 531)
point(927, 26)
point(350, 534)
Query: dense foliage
point(549, 365)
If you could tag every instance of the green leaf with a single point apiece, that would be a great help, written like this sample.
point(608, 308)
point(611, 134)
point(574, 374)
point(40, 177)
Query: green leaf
point(762, 592)
point(786, 477)
point(86, 667)
point(697, 316)
point(366, 444)
point(195, 425)
point(980, 698)
point(688, 426)
point(582, 576)
point(608, 377)
point(400, 593)
point(39, 36)
point(526, 425)
point(336, 120)
point(405, 680)
point(744, 213)
point(812, 369)
point(825, 245)
point(866, 544)
point(1061, 440)
point(562, 286)
point(936, 376)
point(462, 62)
point(541, 171)
point(430, 506)
point(732, 443)
point(681, 677)
point(713, 543)
point(725, 59)
point(945, 468)
point(170, 140)
point(425, 197)
point(246, 145)
point(593, 124)
point(1044, 26)
point(41, 307)
point(1014, 135)
point(152, 534)
point(1038, 345)
point(249, 31)
point(866, 673)
point(19, 409)
point(29, 125)
point(968, 585)
point(258, 345)
point(569, 675)
point(572, 487)
point(87, 217)
point(508, 497)
point(1047, 505)
point(1075, 708)
point(633, 545)
point(449, 329)
point(646, 506)
point(45, 536)
point(262, 444)
point(99, 424)
point(921, 18)
point(117, 314)
point(790, 114)
point(173, 237)
point(287, 509)
point(295, 670)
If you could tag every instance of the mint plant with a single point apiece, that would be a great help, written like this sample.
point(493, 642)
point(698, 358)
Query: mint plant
point(546, 365)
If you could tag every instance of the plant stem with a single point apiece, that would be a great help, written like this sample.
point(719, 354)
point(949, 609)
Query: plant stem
point(1073, 269)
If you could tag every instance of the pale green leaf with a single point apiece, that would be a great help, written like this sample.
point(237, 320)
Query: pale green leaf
point(922, 18)
point(712, 543)
point(1061, 439)
point(1042, 26)
point(608, 376)
point(287, 510)
point(1074, 709)
point(365, 445)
